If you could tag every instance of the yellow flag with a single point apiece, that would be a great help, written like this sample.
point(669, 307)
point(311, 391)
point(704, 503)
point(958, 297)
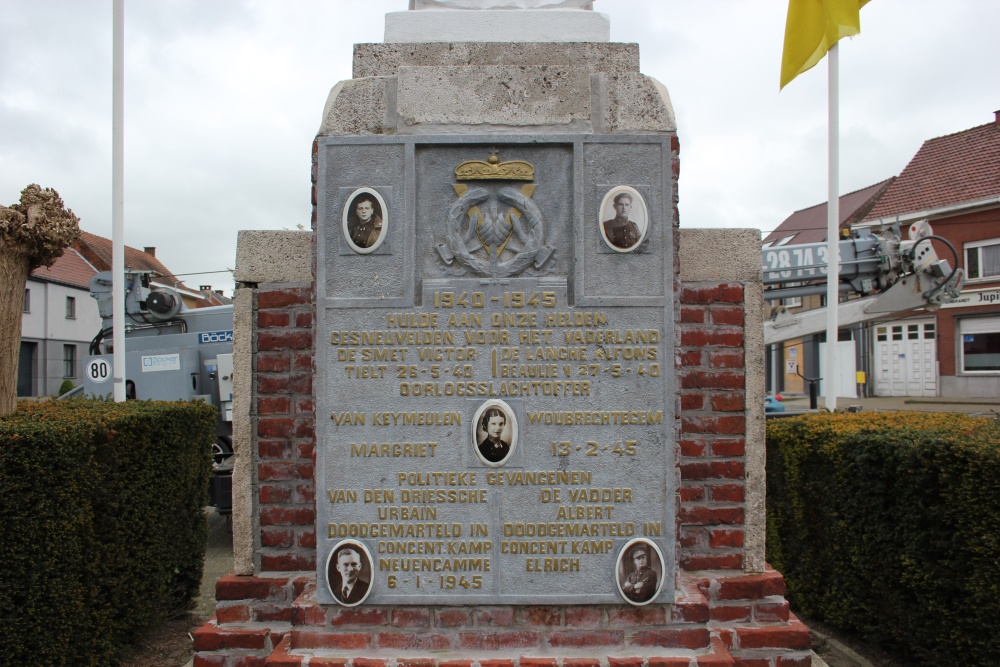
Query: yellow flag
point(812, 27)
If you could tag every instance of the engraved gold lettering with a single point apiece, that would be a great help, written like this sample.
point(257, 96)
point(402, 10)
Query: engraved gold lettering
point(447, 354)
point(575, 319)
point(342, 495)
point(379, 495)
point(411, 320)
point(389, 338)
point(406, 513)
point(584, 512)
point(542, 477)
point(611, 336)
point(365, 372)
point(348, 418)
point(395, 530)
point(434, 564)
point(383, 354)
point(603, 495)
point(497, 389)
point(533, 547)
point(556, 354)
point(465, 320)
point(473, 547)
point(416, 419)
point(424, 496)
point(596, 417)
point(570, 529)
point(592, 546)
point(552, 564)
point(409, 547)
point(436, 478)
point(393, 449)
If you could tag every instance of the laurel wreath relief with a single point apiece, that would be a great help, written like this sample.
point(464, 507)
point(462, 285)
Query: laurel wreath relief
point(519, 230)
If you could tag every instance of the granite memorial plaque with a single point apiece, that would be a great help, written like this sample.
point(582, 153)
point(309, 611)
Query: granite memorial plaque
point(495, 370)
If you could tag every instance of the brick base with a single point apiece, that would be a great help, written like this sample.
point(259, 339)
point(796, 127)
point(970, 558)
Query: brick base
point(718, 619)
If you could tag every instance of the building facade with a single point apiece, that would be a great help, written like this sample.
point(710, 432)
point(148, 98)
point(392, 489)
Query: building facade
point(58, 323)
point(954, 183)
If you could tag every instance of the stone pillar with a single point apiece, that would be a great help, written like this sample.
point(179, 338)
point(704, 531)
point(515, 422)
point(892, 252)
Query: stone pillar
point(467, 191)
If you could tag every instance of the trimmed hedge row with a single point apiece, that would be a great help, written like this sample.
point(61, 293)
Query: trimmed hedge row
point(102, 527)
point(887, 525)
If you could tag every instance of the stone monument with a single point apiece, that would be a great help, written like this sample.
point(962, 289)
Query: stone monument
point(495, 419)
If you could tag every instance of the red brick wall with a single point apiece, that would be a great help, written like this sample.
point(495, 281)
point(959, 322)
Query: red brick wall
point(711, 379)
point(285, 429)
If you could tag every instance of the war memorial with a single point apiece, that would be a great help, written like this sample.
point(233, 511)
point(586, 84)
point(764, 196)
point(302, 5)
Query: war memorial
point(497, 409)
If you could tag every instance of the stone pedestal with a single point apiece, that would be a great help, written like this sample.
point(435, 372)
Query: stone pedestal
point(549, 136)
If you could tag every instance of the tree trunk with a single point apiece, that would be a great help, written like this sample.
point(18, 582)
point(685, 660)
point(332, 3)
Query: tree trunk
point(13, 276)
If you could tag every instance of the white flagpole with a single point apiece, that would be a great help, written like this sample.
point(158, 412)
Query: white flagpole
point(117, 198)
point(832, 232)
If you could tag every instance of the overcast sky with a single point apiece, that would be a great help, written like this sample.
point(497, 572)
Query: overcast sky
point(223, 99)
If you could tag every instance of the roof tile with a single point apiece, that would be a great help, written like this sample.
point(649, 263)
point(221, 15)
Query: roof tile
point(953, 169)
point(69, 269)
point(97, 250)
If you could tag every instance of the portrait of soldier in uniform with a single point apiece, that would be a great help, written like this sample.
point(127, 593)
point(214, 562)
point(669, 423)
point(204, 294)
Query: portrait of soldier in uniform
point(495, 433)
point(364, 220)
point(345, 572)
point(624, 218)
point(638, 568)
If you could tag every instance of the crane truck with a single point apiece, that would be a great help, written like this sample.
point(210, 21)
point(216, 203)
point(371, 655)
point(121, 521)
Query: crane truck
point(172, 352)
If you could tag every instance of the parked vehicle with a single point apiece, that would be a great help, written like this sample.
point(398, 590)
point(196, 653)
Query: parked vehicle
point(171, 353)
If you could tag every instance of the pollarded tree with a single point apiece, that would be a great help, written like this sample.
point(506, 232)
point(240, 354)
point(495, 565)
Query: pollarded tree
point(33, 233)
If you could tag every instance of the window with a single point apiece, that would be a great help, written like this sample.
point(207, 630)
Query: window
point(881, 334)
point(980, 344)
point(71, 308)
point(792, 302)
point(27, 301)
point(982, 259)
point(69, 361)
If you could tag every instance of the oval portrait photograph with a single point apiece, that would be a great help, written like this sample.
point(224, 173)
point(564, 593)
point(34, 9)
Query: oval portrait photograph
point(349, 573)
point(494, 433)
point(365, 220)
point(624, 218)
point(639, 571)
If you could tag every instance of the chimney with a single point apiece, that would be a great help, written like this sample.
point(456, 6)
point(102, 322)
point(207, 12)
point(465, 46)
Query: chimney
point(996, 117)
point(150, 250)
point(204, 288)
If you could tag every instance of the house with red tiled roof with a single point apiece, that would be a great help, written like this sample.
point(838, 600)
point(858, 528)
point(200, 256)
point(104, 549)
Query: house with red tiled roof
point(58, 323)
point(97, 250)
point(953, 182)
point(789, 360)
point(60, 318)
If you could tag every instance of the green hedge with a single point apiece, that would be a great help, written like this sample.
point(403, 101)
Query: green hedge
point(887, 525)
point(102, 528)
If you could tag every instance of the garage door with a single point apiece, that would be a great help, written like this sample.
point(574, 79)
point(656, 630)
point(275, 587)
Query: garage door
point(905, 358)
